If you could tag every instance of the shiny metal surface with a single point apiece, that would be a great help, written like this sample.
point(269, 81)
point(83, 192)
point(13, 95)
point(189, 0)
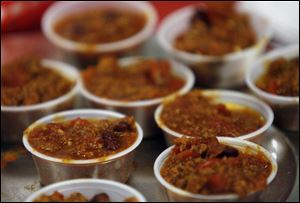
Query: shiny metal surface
point(287, 116)
point(118, 170)
point(20, 179)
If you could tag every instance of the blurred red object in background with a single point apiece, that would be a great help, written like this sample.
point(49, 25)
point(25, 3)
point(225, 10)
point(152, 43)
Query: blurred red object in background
point(22, 15)
point(166, 7)
point(26, 15)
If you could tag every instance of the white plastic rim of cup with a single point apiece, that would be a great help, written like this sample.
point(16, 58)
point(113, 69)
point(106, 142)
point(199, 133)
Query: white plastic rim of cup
point(169, 30)
point(89, 188)
point(65, 70)
point(83, 113)
point(65, 8)
point(227, 96)
point(259, 68)
point(178, 69)
point(233, 142)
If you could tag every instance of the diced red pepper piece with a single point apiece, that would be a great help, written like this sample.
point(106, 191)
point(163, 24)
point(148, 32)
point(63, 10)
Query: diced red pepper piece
point(208, 163)
point(217, 183)
point(176, 150)
point(188, 154)
point(272, 87)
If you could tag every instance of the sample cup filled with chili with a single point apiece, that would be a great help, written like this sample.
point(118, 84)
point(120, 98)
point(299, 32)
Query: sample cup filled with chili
point(88, 29)
point(210, 169)
point(135, 86)
point(83, 144)
point(275, 79)
point(33, 88)
point(219, 41)
point(214, 113)
point(87, 190)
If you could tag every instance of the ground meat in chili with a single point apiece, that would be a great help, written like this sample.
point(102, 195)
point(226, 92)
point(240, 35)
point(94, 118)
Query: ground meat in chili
point(28, 82)
point(78, 197)
point(145, 79)
point(204, 166)
point(83, 139)
point(216, 29)
point(281, 77)
point(197, 115)
point(100, 26)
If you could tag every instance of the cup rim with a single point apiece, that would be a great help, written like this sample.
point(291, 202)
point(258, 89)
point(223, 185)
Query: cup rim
point(59, 67)
point(277, 53)
point(189, 83)
point(38, 193)
point(83, 161)
point(223, 140)
point(145, 7)
point(234, 94)
point(202, 57)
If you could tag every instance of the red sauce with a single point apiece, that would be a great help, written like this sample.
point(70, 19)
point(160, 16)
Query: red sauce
point(197, 115)
point(81, 139)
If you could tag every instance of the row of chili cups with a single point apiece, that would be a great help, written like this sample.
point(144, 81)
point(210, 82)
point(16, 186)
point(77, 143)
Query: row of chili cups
point(119, 167)
point(15, 119)
point(53, 170)
point(118, 191)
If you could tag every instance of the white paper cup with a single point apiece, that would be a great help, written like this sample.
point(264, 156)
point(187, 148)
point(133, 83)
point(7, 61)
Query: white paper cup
point(14, 120)
point(286, 109)
point(225, 96)
point(143, 111)
point(115, 167)
point(178, 195)
point(89, 188)
point(84, 51)
point(214, 71)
